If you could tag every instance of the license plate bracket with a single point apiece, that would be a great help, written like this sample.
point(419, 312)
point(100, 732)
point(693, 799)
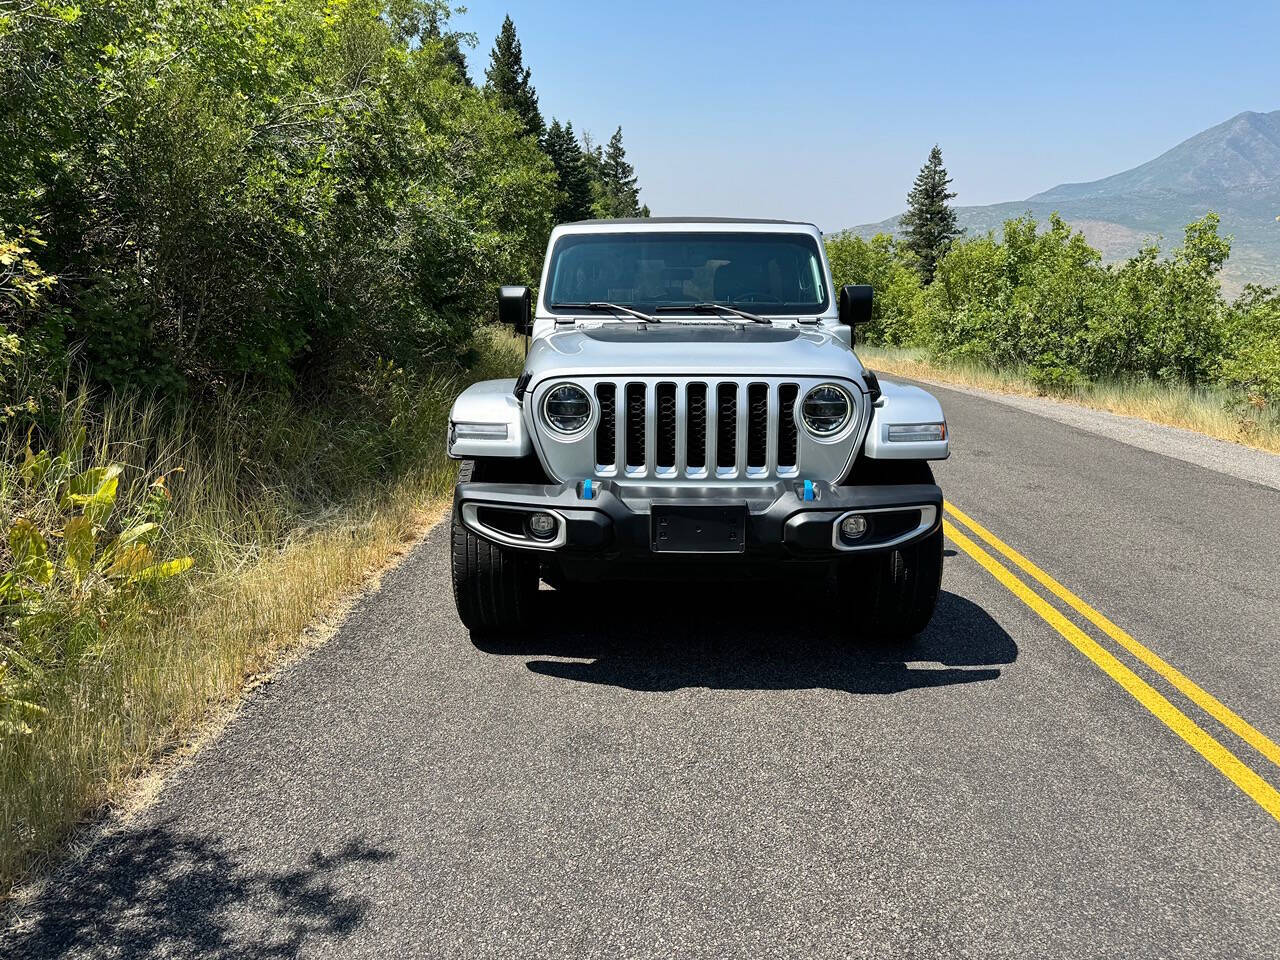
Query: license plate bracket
point(676, 527)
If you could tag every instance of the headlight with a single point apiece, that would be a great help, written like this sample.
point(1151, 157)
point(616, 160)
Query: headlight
point(567, 408)
point(826, 410)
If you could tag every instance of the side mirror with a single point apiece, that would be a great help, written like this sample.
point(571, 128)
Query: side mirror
point(514, 308)
point(855, 304)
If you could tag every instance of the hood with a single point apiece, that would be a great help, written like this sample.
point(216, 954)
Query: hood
point(692, 349)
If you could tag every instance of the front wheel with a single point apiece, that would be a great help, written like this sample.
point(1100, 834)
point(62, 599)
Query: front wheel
point(893, 594)
point(494, 588)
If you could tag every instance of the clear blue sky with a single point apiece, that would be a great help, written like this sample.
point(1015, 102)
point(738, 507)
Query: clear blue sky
point(824, 111)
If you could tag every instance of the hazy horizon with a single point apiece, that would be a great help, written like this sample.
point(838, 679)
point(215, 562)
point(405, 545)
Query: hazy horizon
point(826, 113)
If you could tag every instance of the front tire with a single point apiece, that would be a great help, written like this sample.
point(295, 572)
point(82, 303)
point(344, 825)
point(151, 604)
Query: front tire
point(493, 587)
point(894, 593)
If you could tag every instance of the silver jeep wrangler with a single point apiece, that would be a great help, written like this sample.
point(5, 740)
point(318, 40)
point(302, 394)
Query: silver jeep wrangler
point(691, 404)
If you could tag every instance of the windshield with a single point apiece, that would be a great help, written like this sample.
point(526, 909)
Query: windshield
point(766, 273)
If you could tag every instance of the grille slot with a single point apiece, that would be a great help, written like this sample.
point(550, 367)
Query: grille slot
point(635, 424)
point(665, 446)
point(757, 424)
point(696, 455)
point(727, 425)
point(607, 431)
point(787, 436)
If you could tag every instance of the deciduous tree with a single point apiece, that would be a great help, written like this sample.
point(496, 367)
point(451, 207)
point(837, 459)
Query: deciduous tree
point(255, 193)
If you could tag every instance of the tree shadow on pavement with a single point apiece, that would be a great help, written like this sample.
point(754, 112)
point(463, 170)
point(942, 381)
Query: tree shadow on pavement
point(158, 892)
point(747, 637)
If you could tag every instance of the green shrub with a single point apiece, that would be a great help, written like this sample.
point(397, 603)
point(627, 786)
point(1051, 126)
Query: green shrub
point(1041, 301)
point(24, 286)
point(73, 572)
point(1251, 361)
point(1029, 300)
point(247, 193)
point(887, 267)
point(1166, 318)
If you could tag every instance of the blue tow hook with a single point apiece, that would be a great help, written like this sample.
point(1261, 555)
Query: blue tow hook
point(808, 489)
point(587, 492)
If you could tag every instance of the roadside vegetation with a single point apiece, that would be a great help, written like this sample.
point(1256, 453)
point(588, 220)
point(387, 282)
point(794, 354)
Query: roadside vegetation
point(247, 252)
point(170, 549)
point(169, 552)
point(1213, 411)
point(1035, 308)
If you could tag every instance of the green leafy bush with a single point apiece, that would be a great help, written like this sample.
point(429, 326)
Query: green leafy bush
point(1167, 317)
point(1251, 362)
point(23, 287)
point(72, 572)
point(1040, 300)
point(259, 193)
point(1030, 300)
point(883, 264)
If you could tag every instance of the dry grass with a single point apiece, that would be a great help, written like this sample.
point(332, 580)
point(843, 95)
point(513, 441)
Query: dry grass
point(271, 562)
point(1211, 412)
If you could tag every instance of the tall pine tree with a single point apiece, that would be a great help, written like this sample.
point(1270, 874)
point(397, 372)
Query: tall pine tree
point(616, 192)
point(929, 223)
point(574, 202)
point(507, 80)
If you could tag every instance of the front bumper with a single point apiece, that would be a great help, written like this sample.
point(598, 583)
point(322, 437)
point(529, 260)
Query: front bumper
point(784, 520)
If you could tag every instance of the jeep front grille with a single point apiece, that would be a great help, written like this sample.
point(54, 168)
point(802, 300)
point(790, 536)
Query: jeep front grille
point(744, 429)
point(691, 430)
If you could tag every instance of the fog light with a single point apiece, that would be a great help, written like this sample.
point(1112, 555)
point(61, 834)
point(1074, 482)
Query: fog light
point(542, 525)
point(851, 528)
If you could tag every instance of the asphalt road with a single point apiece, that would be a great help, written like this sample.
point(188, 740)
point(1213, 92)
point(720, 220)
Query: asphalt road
point(719, 773)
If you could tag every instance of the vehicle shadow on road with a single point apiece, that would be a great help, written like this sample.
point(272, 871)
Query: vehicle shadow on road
point(156, 891)
point(748, 637)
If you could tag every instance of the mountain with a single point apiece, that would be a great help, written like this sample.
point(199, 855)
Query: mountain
point(1232, 168)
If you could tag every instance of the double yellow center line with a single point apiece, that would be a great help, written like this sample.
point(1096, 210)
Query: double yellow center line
point(1231, 766)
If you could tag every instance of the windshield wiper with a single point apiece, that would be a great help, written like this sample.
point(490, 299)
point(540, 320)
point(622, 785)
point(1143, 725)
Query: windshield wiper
point(601, 305)
point(710, 307)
